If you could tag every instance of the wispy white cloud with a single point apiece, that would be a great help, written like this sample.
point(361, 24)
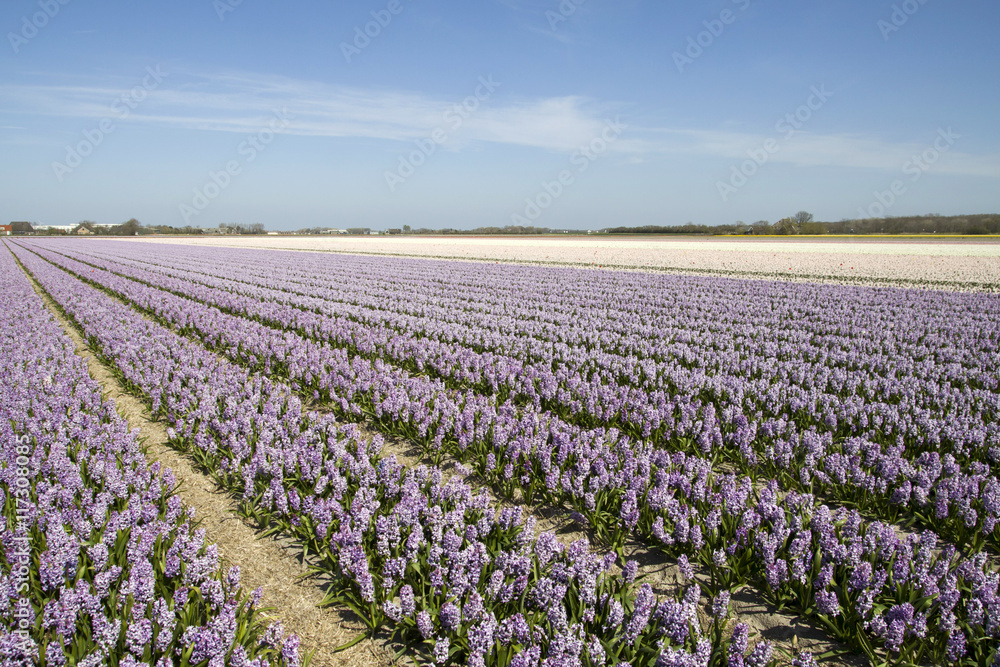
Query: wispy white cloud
point(243, 103)
point(528, 6)
point(561, 36)
point(839, 150)
point(553, 20)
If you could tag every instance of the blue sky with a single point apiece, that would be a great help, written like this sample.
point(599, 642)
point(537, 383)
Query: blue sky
point(579, 114)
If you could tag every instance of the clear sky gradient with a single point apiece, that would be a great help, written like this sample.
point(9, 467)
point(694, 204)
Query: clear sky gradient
point(581, 114)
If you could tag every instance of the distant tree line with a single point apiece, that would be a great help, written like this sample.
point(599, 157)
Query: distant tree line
point(255, 228)
point(803, 223)
point(133, 227)
point(689, 228)
point(920, 224)
point(509, 230)
point(128, 228)
point(517, 230)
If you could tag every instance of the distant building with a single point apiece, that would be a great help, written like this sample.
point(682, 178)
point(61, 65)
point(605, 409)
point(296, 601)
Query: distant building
point(393, 232)
point(83, 230)
point(6, 230)
point(54, 228)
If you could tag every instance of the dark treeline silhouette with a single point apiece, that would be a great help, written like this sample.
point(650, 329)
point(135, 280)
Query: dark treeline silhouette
point(689, 228)
point(135, 228)
point(510, 229)
point(802, 223)
point(923, 224)
point(255, 228)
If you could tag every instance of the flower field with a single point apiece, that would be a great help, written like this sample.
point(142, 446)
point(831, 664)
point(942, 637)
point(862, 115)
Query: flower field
point(941, 263)
point(830, 447)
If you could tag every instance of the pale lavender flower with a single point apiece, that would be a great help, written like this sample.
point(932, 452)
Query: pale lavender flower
point(425, 625)
point(827, 603)
point(630, 571)
point(687, 571)
point(441, 647)
point(406, 601)
point(720, 605)
point(760, 655)
point(451, 617)
point(804, 659)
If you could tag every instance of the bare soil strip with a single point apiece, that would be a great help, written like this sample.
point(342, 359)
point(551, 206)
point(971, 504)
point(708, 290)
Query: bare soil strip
point(274, 565)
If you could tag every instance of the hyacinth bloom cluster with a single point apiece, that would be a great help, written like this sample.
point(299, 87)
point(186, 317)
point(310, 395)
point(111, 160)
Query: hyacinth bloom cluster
point(549, 419)
point(432, 559)
point(100, 563)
